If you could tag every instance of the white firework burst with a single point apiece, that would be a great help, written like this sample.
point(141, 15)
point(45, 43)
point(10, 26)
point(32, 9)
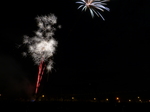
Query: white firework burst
point(94, 6)
point(42, 46)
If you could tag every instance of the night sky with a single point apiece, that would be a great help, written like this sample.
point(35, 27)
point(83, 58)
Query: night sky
point(111, 55)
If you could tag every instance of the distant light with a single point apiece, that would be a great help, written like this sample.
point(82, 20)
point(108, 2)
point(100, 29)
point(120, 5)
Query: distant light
point(138, 97)
point(148, 100)
point(59, 26)
point(106, 99)
point(117, 98)
point(72, 98)
point(33, 100)
point(94, 98)
point(43, 96)
point(118, 101)
point(140, 100)
point(129, 100)
point(0, 94)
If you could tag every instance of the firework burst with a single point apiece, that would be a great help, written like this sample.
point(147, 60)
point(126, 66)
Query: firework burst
point(94, 6)
point(42, 46)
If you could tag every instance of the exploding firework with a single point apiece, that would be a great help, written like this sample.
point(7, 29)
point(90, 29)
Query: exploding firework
point(94, 6)
point(42, 46)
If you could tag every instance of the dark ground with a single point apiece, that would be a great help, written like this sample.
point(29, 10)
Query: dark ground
point(74, 106)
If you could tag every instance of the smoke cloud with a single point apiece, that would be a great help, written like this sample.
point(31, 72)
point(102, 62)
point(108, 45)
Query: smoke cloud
point(14, 82)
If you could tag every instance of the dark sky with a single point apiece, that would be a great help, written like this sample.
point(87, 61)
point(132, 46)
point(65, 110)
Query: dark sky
point(110, 55)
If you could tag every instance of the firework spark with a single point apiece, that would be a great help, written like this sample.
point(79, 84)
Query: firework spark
point(94, 6)
point(42, 46)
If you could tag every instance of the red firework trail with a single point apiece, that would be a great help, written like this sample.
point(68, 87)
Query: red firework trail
point(40, 74)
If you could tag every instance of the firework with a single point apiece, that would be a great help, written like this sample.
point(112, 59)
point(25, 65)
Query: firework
point(42, 46)
point(94, 6)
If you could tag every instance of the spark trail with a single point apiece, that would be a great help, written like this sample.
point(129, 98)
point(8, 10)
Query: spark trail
point(42, 46)
point(94, 6)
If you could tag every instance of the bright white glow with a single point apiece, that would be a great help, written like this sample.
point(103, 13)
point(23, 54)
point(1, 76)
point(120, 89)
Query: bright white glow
point(94, 6)
point(42, 46)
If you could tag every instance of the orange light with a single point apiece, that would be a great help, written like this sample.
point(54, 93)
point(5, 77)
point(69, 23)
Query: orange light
point(72, 98)
point(43, 96)
point(94, 98)
point(106, 99)
point(117, 98)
